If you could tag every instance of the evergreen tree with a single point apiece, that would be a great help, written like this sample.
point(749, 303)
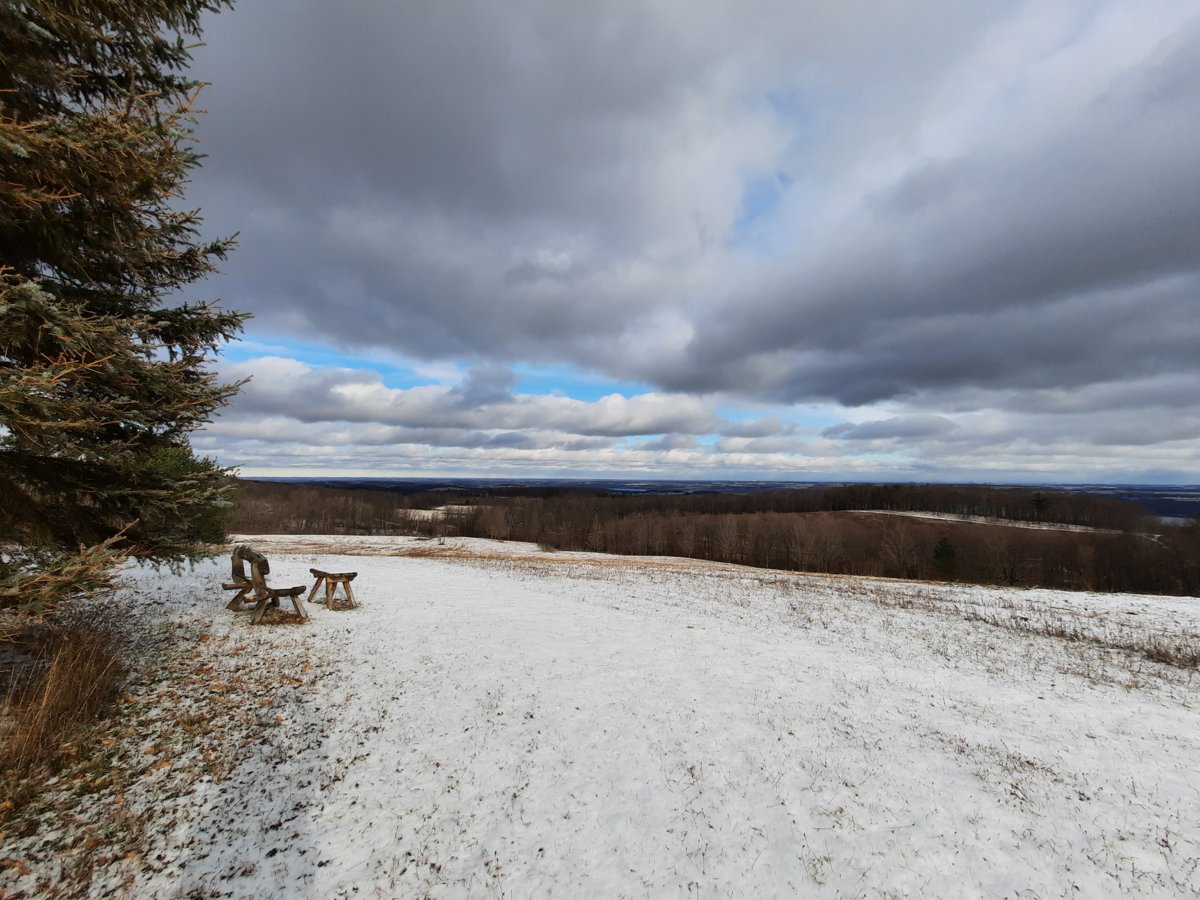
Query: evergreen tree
point(103, 371)
point(945, 559)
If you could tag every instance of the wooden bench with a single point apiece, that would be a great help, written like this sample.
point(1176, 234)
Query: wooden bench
point(255, 589)
point(332, 580)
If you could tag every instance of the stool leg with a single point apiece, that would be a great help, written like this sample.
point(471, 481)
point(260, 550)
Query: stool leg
point(329, 586)
point(314, 588)
point(349, 594)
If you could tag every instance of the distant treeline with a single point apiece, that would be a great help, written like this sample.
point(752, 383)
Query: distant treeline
point(268, 507)
point(842, 529)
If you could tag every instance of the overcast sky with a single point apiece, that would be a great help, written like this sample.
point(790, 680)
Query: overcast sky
point(678, 238)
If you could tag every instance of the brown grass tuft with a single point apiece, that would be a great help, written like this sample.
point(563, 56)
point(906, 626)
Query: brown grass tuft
point(1181, 653)
point(62, 681)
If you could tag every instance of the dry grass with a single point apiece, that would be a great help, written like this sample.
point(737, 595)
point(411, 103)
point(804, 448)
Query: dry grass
point(1178, 650)
point(1173, 652)
point(65, 679)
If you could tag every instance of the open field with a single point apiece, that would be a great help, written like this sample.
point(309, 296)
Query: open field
point(984, 520)
point(496, 720)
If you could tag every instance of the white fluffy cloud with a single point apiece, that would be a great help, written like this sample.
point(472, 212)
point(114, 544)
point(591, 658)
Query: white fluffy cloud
point(295, 417)
point(280, 386)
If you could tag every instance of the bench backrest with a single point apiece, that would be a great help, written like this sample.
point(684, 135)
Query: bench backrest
point(259, 567)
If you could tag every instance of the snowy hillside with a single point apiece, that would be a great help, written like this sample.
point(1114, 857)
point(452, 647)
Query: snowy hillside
point(498, 722)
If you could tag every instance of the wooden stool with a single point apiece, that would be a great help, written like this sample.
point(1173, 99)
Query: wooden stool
point(332, 580)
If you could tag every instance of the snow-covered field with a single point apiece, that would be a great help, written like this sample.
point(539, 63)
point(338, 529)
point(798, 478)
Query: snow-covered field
point(495, 721)
point(984, 520)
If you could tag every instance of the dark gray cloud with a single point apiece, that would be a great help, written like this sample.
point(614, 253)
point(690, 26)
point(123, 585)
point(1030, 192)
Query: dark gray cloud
point(987, 210)
point(671, 442)
point(485, 385)
point(509, 181)
point(1057, 257)
point(897, 427)
point(752, 428)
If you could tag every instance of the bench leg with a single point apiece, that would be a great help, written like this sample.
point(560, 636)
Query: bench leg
point(350, 595)
point(260, 610)
point(330, 587)
point(300, 610)
point(236, 603)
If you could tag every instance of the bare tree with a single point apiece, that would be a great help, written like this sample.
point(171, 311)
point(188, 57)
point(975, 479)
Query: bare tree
point(799, 544)
point(685, 540)
point(493, 521)
point(899, 551)
point(727, 538)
